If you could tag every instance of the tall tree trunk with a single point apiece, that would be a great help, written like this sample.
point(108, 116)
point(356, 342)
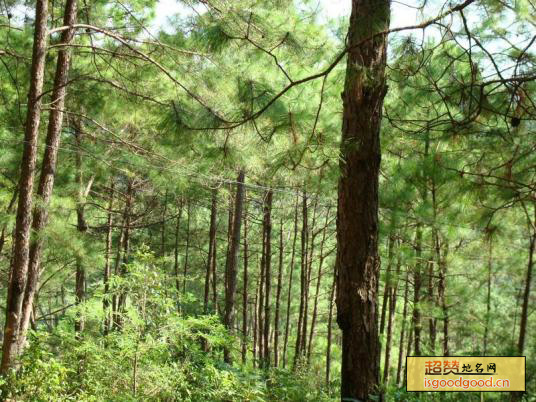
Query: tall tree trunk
point(330, 322)
point(390, 322)
point(488, 297)
point(517, 396)
point(187, 248)
point(402, 330)
point(289, 294)
point(108, 250)
point(435, 261)
point(317, 289)
point(267, 275)
point(115, 298)
point(357, 214)
point(278, 296)
point(526, 293)
point(408, 353)
point(176, 248)
point(417, 291)
point(245, 283)
point(260, 313)
point(121, 263)
point(386, 291)
point(303, 282)
point(255, 322)
point(81, 226)
point(229, 233)
point(309, 267)
point(163, 231)
point(232, 261)
point(21, 242)
point(443, 298)
point(46, 180)
point(211, 247)
point(214, 269)
point(431, 306)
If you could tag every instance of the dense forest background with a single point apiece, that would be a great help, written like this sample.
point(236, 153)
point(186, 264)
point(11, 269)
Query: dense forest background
point(182, 219)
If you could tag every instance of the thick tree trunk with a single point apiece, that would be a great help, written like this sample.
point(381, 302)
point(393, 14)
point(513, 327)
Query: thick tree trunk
point(232, 261)
point(21, 241)
point(267, 276)
point(108, 250)
point(46, 182)
point(211, 247)
point(357, 214)
point(278, 297)
point(289, 294)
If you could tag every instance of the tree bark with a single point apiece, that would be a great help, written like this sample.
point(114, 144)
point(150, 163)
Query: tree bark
point(115, 298)
point(187, 248)
point(357, 214)
point(402, 331)
point(317, 289)
point(255, 322)
point(163, 231)
point(303, 282)
point(526, 294)
point(122, 261)
point(417, 291)
point(443, 299)
point(330, 322)
point(260, 306)
point(390, 322)
point(232, 262)
point(245, 283)
point(46, 182)
point(21, 241)
point(309, 267)
point(176, 249)
point(81, 226)
point(278, 296)
point(108, 249)
point(289, 294)
point(386, 291)
point(267, 276)
point(8, 211)
point(211, 247)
